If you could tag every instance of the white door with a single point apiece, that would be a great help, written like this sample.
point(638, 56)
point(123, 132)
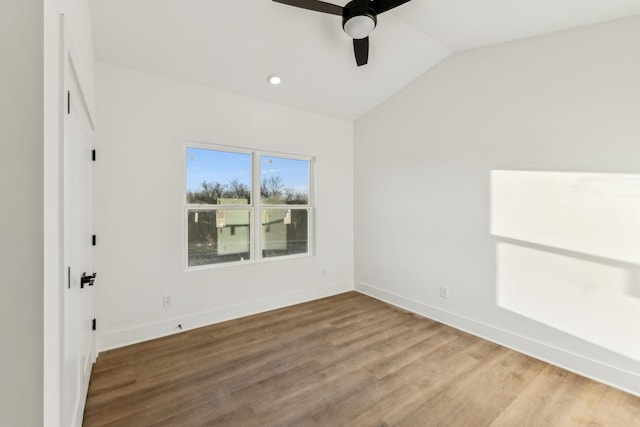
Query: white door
point(78, 339)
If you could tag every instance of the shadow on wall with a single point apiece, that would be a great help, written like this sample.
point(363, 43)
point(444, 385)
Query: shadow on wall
point(568, 252)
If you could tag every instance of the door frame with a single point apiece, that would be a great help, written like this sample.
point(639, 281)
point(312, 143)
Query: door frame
point(59, 51)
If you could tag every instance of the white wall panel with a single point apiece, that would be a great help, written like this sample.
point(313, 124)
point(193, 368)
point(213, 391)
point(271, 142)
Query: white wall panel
point(21, 218)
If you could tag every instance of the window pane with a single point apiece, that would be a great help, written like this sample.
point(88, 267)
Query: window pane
point(218, 177)
point(284, 181)
point(284, 232)
point(216, 236)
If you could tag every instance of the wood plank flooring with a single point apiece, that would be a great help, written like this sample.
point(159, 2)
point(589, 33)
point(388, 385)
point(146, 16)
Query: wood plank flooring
point(347, 360)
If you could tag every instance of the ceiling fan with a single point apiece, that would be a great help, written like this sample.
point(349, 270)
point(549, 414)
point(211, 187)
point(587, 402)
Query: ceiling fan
point(359, 19)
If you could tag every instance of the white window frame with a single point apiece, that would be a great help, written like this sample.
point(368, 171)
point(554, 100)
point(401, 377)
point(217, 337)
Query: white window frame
point(254, 207)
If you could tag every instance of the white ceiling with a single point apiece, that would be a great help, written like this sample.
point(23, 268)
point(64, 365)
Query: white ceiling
point(235, 44)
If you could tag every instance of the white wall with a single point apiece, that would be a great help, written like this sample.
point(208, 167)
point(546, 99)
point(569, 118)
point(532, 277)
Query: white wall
point(144, 121)
point(568, 101)
point(21, 225)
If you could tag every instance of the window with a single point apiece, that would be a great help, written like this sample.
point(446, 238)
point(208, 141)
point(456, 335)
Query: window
point(245, 206)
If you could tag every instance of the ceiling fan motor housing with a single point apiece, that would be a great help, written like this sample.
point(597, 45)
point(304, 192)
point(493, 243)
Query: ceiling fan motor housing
point(358, 19)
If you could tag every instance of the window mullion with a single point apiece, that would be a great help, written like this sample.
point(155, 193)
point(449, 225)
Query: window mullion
point(256, 203)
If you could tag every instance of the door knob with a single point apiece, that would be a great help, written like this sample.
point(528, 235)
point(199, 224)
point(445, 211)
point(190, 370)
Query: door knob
point(87, 280)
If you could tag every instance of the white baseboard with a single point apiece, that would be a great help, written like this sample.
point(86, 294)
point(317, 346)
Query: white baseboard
point(593, 369)
point(121, 338)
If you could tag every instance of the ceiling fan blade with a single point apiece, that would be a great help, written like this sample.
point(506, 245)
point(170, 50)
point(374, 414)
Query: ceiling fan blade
point(361, 49)
point(315, 5)
point(384, 5)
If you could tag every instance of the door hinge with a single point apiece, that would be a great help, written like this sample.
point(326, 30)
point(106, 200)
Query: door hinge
point(93, 155)
point(93, 240)
point(93, 324)
point(68, 102)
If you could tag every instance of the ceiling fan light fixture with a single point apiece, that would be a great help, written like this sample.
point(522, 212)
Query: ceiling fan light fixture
point(359, 26)
point(359, 19)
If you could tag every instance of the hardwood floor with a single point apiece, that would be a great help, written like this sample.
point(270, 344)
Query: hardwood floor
point(344, 360)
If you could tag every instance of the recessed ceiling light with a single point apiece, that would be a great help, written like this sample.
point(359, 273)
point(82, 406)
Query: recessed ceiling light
point(274, 79)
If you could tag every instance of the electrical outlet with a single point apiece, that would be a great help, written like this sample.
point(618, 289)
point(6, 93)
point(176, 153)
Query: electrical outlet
point(167, 300)
point(324, 272)
point(444, 292)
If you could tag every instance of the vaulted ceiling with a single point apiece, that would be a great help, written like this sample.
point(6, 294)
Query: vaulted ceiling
point(234, 45)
